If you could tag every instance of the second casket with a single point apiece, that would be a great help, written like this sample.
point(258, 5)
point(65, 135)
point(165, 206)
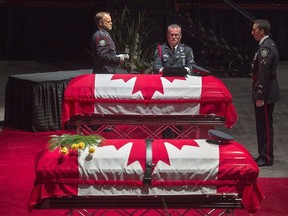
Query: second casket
point(171, 168)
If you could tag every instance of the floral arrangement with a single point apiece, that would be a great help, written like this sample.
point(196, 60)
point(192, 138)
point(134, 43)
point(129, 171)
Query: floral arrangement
point(130, 33)
point(73, 143)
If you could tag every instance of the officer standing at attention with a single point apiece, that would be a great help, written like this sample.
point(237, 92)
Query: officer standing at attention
point(265, 90)
point(103, 47)
point(173, 54)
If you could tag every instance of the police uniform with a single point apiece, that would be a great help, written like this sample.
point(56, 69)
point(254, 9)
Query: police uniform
point(166, 57)
point(266, 88)
point(104, 53)
point(182, 56)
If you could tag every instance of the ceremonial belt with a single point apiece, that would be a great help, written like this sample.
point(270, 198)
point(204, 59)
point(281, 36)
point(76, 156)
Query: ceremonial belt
point(149, 165)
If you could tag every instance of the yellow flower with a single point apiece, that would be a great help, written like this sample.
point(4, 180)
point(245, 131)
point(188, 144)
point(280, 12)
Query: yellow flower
point(92, 149)
point(64, 150)
point(81, 145)
point(75, 146)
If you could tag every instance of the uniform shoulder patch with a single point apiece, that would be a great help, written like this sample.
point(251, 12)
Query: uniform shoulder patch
point(102, 42)
point(264, 52)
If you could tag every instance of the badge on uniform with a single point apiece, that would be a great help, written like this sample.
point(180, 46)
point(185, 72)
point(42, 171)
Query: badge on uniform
point(264, 52)
point(102, 42)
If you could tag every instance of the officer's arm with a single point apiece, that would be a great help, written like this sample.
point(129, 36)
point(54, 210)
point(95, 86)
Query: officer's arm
point(190, 61)
point(157, 64)
point(264, 65)
point(103, 51)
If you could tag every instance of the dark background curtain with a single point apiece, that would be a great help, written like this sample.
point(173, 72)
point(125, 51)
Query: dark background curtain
point(61, 31)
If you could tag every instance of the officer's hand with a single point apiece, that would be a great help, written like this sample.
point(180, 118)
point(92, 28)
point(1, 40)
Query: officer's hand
point(259, 103)
point(126, 56)
point(187, 69)
point(122, 59)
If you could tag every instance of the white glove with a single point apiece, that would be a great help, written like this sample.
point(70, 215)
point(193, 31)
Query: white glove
point(188, 70)
point(125, 56)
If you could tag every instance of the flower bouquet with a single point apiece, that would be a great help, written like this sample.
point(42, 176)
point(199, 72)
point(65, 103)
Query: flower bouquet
point(73, 143)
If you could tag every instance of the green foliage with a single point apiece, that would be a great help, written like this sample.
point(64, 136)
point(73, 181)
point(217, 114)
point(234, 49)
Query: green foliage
point(130, 34)
point(67, 140)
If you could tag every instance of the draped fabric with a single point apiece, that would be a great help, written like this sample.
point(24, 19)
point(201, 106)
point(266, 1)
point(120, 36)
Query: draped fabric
point(134, 94)
point(182, 167)
point(33, 102)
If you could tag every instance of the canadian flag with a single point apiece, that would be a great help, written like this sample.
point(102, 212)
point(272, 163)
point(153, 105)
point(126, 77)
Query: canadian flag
point(138, 94)
point(180, 167)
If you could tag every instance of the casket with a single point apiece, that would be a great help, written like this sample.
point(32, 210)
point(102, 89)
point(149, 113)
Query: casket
point(148, 173)
point(148, 99)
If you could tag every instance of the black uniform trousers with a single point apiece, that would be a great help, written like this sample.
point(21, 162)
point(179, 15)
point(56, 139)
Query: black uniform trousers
point(265, 132)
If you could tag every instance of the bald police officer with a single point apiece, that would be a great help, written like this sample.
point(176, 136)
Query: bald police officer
point(265, 90)
point(103, 47)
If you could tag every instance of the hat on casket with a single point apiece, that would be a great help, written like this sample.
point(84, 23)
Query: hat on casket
point(219, 137)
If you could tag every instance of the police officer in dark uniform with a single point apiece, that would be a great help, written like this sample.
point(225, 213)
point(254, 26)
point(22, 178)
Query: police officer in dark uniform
point(103, 47)
point(265, 90)
point(173, 53)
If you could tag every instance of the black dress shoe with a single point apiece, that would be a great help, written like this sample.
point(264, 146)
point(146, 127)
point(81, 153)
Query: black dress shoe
point(261, 162)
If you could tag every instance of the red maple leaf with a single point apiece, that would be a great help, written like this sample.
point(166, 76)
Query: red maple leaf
point(147, 84)
point(159, 151)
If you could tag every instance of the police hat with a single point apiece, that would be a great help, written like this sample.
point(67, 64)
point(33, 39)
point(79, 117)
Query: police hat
point(219, 137)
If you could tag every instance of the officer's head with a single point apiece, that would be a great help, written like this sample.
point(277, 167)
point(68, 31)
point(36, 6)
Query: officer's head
point(260, 29)
point(174, 34)
point(103, 21)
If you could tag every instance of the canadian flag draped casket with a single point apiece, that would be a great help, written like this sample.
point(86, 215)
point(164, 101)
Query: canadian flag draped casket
point(138, 94)
point(118, 167)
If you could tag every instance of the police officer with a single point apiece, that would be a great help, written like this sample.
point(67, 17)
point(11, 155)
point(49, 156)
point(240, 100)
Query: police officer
point(265, 90)
point(103, 47)
point(173, 53)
